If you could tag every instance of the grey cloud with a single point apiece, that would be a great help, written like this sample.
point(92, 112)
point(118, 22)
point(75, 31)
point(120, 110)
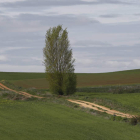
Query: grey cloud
point(33, 22)
point(96, 59)
point(97, 52)
point(3, 58)
point(20, 40)
point(25, 68)
point(31, 3)
point(114, 53)
point(6, 49)
point(127, 27)
point(90, 43)
point(22, 55)
point(29, 30)
point(85, 57)
point(61, 19)
point(110, 16)
point(137, 14)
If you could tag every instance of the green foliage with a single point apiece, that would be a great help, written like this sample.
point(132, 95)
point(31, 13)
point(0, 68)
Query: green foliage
point(69, 84)
point(133, 121)
point(59, 62)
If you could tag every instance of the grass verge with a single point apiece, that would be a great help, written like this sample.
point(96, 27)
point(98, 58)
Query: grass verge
point(48, 119)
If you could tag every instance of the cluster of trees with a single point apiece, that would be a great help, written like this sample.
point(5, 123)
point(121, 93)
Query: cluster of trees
point(59, 62)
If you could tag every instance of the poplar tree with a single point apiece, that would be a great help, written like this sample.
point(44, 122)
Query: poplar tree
point(59, 62)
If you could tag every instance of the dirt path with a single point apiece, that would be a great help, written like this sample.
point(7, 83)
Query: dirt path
point(80, 102)
point(100, 108)
point(19, 92)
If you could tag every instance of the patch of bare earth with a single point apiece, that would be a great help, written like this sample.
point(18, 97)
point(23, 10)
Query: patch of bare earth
point(100, 108)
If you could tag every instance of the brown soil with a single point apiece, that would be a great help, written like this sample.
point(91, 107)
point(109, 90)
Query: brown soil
point(100, 108)
point(19, 92)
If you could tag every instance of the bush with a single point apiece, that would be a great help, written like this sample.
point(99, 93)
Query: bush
point(76, 106)
point(133, 121)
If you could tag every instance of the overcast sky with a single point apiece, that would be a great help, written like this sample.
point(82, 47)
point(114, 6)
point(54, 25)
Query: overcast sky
point(104, 34)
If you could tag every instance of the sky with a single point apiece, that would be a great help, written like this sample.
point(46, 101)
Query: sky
point(104, 34)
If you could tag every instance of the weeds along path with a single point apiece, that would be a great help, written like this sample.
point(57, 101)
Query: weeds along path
point(100, 108)
point(19, 92)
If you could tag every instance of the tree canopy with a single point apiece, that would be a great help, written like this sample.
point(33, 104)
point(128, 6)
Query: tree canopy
point(59, 61)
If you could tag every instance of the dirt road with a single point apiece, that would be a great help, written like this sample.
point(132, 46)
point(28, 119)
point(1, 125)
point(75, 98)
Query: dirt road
point(19, 92)
point(100, 108)
point(80, 102)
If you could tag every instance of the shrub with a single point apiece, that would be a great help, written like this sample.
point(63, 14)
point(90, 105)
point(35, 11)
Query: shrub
point(76, 106)
point(133, 121)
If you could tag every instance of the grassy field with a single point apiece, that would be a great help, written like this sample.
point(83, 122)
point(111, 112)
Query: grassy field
point(20, 75)
point(34, 120)
point(39, 81)
point(55, 118)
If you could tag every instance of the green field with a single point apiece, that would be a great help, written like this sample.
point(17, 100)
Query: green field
point(38, 120)
point(54, 118)
point(38, 80)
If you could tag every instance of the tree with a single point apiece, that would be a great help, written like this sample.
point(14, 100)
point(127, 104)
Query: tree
point(59, 62)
